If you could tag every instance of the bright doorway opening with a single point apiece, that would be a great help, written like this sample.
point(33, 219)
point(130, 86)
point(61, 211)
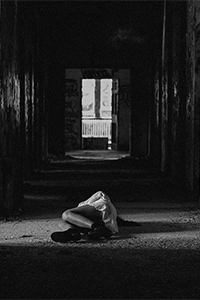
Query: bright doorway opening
point(97, 114)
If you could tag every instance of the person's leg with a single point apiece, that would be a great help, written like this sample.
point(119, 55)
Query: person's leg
point(89, 218)
point(76, 221)
point(81, 219)
point(64, 225)
point(83, 216)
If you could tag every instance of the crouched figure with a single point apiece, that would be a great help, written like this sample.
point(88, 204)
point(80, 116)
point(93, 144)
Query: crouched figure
point(94, 218)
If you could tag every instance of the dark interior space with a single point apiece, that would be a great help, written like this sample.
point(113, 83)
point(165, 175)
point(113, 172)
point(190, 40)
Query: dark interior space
point(150, 52)
point(52, 47)
point(101, 35)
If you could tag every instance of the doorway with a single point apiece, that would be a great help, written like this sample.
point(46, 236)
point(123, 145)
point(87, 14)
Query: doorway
point(97, 110)
point(97, 114)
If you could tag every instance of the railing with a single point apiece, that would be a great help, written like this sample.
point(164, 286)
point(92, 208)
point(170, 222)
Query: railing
point(96, 128)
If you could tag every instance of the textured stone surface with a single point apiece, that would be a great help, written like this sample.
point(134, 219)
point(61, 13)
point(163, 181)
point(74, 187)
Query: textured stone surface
point(157, 260)
point(21, 128)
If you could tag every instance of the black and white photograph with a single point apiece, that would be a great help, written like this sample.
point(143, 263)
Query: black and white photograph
point(99, 149)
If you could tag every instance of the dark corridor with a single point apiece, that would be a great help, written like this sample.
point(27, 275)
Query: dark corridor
point(158, 107)
point(152, 177)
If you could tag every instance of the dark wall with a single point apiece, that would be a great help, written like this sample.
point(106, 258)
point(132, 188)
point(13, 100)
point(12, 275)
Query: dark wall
point(175, 109)
point(103, 34)
point(56, 111)
point(22, 106)
point(11, 130)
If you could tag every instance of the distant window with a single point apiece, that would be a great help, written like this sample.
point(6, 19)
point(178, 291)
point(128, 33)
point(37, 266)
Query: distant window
point(90, 104)
point(88, 98)
point(106, 98)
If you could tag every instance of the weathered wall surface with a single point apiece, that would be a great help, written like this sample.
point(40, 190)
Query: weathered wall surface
point(124, 109)
point(193, 97)
point(190, 107)
point(140, 111)
point(197, 97)
point(21, 101)
point(155, 117)
point(177, 93)
point(73, 109)
point(10, 110)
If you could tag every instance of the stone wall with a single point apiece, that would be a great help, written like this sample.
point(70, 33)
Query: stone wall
point(197, 98)
point(177, 94)
point(10, 111)
point(21, 100)
point(193, 97)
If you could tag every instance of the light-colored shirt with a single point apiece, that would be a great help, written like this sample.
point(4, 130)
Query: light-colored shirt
point(102, 202)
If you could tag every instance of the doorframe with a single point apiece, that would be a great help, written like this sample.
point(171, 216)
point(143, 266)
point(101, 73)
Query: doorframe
point(111, 101)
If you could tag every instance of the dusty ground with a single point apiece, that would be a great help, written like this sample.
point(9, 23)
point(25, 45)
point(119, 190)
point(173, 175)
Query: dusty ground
point(158, 260)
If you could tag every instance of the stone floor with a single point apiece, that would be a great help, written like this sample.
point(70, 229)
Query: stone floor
point(97, 154)
point(160, 259)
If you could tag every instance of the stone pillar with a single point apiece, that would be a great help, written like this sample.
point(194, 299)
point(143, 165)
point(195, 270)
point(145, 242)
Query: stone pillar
point(197, 101)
